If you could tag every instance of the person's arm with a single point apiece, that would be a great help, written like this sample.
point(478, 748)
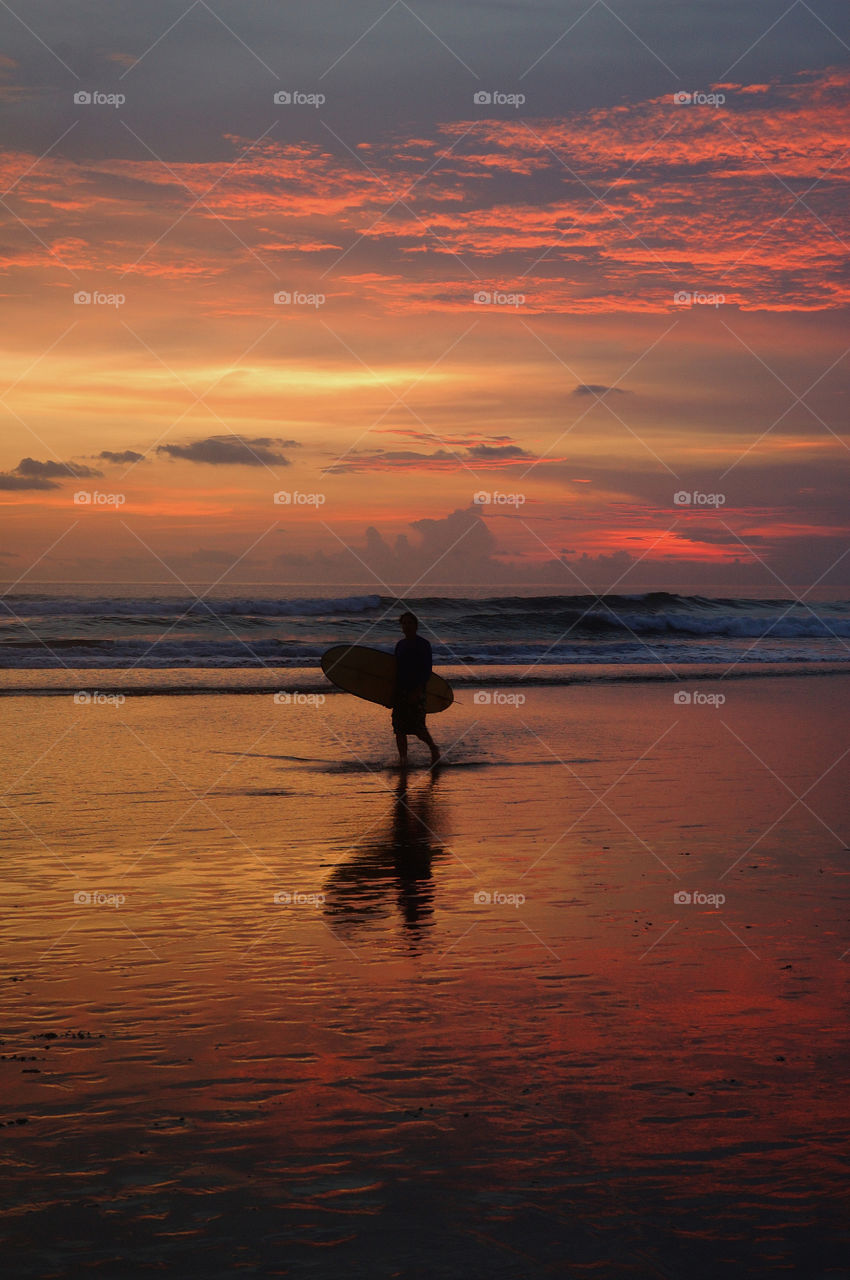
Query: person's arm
point(423, 669)
point(427, 662)
point(397, 687)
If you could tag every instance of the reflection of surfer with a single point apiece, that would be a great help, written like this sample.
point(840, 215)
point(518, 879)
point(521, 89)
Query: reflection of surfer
point(412, 849)
point(413, 669)
point(392, 865)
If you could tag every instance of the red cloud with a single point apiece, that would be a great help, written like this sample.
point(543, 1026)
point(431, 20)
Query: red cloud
point(640, 201)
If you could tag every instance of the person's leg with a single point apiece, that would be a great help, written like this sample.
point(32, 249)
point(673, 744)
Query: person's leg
point(401, 743)
point(425, 737)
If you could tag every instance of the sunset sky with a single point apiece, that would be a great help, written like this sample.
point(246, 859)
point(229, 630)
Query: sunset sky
point(577, 300)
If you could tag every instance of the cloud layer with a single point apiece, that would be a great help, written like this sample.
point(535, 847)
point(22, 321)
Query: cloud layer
point(615, 209)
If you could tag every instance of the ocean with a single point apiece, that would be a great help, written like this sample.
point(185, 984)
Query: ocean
point(511, 638)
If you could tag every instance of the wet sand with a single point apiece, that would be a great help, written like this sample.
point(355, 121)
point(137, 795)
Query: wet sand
point(271, 1006)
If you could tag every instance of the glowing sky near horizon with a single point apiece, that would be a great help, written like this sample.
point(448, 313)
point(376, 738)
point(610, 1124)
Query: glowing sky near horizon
point(582, 304)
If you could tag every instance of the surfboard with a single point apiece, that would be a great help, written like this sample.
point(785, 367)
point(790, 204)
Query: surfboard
point(370, 674)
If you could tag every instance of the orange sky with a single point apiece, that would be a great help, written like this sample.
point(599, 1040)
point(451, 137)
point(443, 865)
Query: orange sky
point(593, 312)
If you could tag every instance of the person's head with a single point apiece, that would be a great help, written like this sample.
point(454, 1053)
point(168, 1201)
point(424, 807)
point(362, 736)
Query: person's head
point(409, 624)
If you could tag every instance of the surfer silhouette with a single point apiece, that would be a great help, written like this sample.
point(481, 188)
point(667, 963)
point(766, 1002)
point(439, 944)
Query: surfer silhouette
point(413, 670)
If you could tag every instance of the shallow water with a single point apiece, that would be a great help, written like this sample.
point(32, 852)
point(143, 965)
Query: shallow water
point(474, 1034)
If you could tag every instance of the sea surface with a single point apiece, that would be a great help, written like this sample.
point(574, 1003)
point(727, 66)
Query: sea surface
point(123, 632)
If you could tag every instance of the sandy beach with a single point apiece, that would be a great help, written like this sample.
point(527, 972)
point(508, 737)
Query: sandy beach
point(272, 1007)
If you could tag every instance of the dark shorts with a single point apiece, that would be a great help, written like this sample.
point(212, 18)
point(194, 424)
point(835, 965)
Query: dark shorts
point(409, 715)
